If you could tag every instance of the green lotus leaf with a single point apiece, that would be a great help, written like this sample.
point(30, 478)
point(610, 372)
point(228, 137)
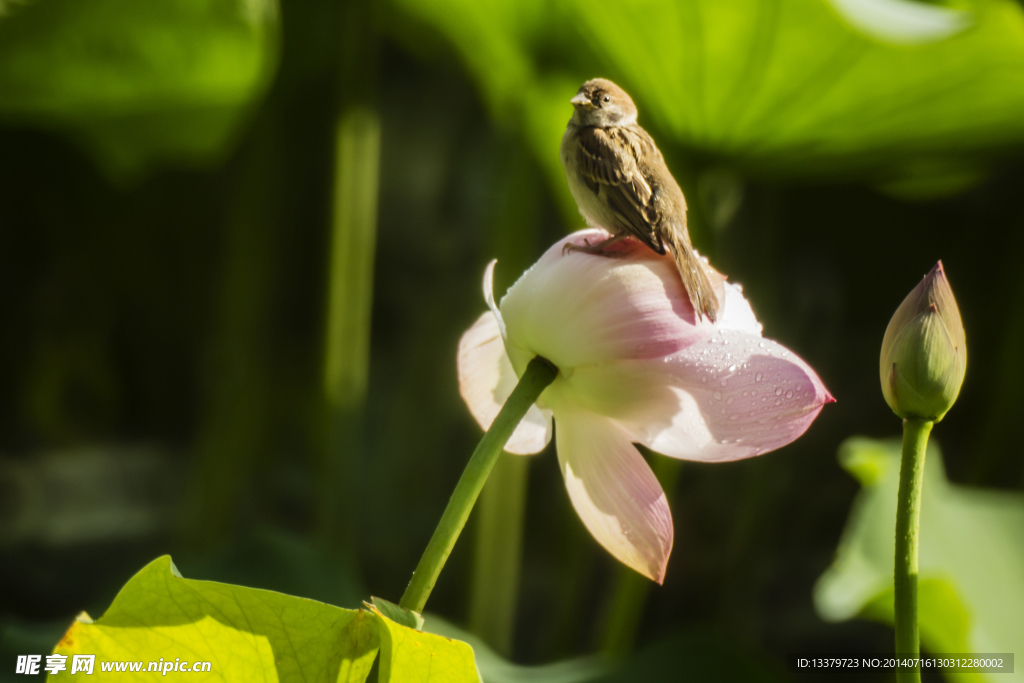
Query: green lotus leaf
point(912, 95)
point(248, 634)
point(137, 83)
point(970, 596)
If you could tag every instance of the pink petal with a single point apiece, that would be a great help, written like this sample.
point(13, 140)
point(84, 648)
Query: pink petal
point(753, 394)
point(731, 396)
point(614, 491)
point(486, 379)
point(575, 308)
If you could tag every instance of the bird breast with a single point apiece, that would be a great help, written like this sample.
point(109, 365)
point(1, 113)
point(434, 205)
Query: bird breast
point(592, 206)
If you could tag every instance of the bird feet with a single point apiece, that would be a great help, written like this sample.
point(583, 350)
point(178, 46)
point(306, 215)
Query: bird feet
point(598, 248)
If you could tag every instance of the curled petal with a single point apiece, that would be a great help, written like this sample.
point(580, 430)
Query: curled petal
point(489, 296)
point(518, 356)
point(614, 491)
point(576, 308)
point(486, 379)
point(731, 396)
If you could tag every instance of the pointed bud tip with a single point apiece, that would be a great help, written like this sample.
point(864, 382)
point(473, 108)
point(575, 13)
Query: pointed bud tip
point(923, 339)
point(938, 272)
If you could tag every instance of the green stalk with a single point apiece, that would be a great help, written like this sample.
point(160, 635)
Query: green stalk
point(539, 374)
point(350, 293)
point(908, 524)
point(624, 608)
point(349, 302)
point(233, 432)
point(498, 553)
point(498, 521)
point(350, 287)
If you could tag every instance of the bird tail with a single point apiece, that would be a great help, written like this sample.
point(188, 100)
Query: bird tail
point(695, 278)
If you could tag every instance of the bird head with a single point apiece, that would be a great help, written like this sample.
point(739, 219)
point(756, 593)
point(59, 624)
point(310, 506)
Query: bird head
point(599, 102)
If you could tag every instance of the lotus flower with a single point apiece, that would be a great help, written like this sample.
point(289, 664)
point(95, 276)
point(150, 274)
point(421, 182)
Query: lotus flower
point(635, 366)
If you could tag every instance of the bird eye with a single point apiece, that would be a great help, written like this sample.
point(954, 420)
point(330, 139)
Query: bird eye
point(607, 98)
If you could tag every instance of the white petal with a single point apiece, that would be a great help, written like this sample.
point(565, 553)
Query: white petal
point(575, 308)
point(486, 379)
point(736, 313)
point(614, 491)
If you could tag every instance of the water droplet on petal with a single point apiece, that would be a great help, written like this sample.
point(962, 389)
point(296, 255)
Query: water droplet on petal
point(731, 399)
point(778, 401)
point(717, 395)
point(757, 377)
point(778, 391)
point(789, 394)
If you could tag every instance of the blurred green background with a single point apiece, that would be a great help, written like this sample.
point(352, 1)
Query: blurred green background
point(239, 243)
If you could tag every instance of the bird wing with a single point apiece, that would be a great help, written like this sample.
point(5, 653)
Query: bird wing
point(607, 160)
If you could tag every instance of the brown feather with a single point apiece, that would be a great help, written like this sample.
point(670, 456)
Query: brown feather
point(622, 166)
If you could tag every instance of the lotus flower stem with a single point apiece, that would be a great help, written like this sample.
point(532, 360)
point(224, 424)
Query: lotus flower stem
point(908, 525)
point(625, 609)
point(355, 195)
point(538, 375)
point(494, 588)
point(627, 599)
point(349, 302)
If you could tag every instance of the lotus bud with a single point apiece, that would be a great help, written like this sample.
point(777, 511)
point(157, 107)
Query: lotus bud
point(924, 354)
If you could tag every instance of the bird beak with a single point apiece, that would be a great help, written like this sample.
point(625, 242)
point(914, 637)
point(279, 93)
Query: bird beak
point(581, 100)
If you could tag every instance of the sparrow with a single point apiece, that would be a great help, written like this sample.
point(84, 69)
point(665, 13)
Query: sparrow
point(621, 184)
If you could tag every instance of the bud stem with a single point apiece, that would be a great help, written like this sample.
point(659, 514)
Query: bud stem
point(908, 525)
point(539, 374)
